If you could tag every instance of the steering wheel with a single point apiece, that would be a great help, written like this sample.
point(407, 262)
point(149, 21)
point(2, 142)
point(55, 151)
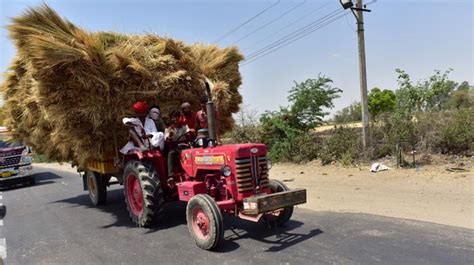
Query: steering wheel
point(186, 137)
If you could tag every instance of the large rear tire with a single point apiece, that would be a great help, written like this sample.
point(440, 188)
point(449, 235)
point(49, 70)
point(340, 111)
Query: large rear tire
point(205, 221)
point(97, 188)
point(143, 193)
point(281, 216)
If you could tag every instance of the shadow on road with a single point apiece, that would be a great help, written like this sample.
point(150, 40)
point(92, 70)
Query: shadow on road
point(174, 212)
point(174, 215)
point(277, 238)
point(43, 178)
point(115, 206)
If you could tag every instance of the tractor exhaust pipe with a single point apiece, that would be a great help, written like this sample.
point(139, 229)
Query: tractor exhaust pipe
point(211, 116)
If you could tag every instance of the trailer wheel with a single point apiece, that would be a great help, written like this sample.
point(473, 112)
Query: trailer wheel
point(97, 188)
point(143, 193)
point(281, 216)
point(205, 221)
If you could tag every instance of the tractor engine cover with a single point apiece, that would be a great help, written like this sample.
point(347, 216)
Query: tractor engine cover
point(188, 189)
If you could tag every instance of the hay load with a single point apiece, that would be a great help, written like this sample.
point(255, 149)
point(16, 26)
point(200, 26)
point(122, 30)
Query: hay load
point(67, 89)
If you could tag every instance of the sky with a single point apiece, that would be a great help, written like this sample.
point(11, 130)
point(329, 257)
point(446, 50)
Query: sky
point(417, 36)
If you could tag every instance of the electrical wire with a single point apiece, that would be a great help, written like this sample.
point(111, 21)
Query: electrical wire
point(288, 25)
point(225, 35)
point(270, 22)
point(296, 33)
point(330, 21)
point(275, 48)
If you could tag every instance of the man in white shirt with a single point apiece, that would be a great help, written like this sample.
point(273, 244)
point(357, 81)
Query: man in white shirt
point(141, 129)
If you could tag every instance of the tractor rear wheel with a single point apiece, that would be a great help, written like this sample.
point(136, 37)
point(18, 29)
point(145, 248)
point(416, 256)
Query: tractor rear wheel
point(205, 221)
point(97, 188)
point(143, 193)
point(281, 216)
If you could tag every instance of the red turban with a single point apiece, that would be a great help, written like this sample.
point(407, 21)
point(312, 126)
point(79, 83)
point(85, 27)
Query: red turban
point(140, 107)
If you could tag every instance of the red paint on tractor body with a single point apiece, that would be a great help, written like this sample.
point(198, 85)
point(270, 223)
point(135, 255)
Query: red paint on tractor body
point(188, 189)
point(201, 172)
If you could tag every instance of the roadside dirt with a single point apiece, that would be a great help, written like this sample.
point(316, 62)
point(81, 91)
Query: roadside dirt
point(430, 193)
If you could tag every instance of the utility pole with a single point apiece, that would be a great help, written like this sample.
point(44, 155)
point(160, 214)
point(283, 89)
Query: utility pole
point(360, 9)
point(362, 74)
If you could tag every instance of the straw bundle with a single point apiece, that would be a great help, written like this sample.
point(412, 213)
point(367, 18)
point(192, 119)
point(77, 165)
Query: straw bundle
point(67, 90)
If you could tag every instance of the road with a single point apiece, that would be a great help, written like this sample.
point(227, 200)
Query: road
point(54, 223)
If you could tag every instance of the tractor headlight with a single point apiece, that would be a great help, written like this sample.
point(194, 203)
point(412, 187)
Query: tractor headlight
point(226, 171)
point(269, 164)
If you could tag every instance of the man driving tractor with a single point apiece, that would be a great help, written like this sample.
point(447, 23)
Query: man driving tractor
point(175, 134)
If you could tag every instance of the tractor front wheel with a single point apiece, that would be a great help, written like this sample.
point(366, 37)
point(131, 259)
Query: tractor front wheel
point(205, 221)
point(281, 216)
point(143, 193)
point(97, 188)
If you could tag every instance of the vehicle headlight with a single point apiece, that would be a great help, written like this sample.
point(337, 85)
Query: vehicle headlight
point(269, 164)
point(26, 159)
point(226, 171)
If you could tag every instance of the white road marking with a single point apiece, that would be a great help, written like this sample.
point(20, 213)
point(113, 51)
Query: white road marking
point(1, 197)
point(1, 222)
point(3, 248)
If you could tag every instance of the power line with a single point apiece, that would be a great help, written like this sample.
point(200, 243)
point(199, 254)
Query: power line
point(295, 33)
point(270, 22)
point(289, 25)
point(225, 35)
point(275, 48)
point(257, 57)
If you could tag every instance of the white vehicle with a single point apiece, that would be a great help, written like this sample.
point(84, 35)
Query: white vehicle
point(15, 162)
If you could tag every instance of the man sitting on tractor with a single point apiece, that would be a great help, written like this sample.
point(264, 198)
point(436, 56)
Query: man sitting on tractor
point(155, 115)
point(187, 117)
point(141, 129)
point(201, 118)
point(175, 134)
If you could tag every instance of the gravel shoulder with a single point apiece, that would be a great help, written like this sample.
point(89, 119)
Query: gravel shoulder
point(430, 193)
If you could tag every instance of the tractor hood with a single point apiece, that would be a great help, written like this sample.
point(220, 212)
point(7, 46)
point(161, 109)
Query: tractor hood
point(232, 151)
point(215, 157)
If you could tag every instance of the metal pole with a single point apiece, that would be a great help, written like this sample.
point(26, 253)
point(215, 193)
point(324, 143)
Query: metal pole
point(211, 116)
point(363, 75)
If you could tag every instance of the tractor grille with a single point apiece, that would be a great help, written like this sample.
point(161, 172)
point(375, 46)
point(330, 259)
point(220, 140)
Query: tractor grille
point(251, 173)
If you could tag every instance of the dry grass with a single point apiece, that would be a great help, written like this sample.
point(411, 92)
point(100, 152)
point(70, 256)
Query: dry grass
point(67, 90)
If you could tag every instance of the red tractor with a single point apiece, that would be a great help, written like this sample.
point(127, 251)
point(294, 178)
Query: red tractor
point(213, 180)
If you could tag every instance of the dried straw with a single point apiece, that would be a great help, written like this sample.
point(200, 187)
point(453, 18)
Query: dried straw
point(67, 90)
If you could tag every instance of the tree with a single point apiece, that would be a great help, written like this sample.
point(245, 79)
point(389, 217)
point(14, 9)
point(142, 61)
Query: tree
point(428, 95)
point(247, 127)
point(463, 97)
point(308, 99)
point(381, 101)
point(351, 113)
point(436, 90)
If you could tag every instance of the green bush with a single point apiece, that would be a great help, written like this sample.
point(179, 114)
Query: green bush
point(457, 133)
point(245, 134)
point(342, 145)
point(302, 148)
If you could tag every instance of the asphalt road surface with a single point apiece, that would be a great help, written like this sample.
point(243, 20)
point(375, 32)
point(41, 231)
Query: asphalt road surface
point(54, 223)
